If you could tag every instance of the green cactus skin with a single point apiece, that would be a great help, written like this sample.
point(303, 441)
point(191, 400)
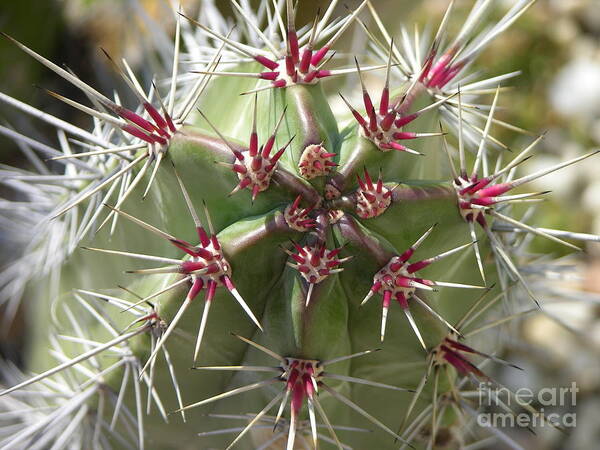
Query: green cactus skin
point(287, 273)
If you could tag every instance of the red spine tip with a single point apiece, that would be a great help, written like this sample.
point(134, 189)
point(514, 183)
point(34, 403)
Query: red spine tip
point(268, 63)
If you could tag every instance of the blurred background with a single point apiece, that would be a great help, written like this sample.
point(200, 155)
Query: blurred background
point(556, 45)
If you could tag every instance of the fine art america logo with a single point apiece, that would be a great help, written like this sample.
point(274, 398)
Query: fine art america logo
point(536, 405)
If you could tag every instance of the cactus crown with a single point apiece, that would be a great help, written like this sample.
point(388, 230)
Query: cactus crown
point(284, 221)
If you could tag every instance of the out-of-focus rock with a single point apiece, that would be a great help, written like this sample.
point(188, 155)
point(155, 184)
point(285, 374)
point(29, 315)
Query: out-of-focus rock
point(576, 89)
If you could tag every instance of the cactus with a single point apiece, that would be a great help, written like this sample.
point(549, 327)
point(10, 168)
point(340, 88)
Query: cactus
point(266, 227)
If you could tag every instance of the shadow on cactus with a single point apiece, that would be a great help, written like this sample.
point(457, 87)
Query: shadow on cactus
point(306, 214)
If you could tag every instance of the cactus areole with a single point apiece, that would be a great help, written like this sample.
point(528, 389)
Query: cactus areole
point(263, 224)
